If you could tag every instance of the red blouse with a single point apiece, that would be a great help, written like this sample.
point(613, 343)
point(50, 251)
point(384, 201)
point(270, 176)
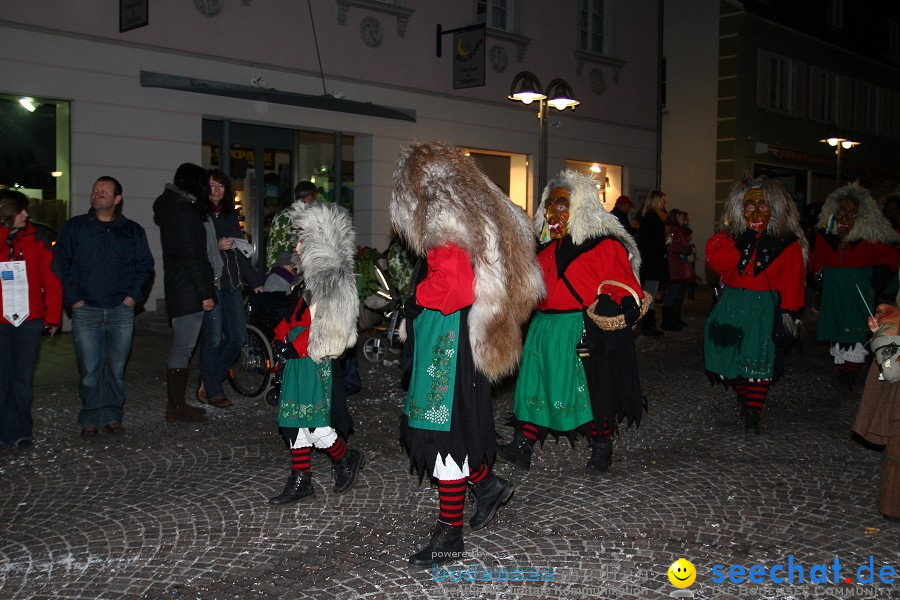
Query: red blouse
point(449, 284)
point(607, 260)
point(785, 274)
point(852, 254)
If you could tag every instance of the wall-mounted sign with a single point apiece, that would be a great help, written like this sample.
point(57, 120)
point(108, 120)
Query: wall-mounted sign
point(133, 14)
point(468, 58)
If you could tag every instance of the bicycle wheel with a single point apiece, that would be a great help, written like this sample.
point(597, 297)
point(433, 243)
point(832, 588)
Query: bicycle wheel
point(250, 373)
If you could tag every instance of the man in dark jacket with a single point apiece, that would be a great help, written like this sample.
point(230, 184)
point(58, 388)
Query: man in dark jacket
point(105, 265)
point(189, 280)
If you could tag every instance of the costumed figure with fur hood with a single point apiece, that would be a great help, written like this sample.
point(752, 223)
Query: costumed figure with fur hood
point(321, 324)
point(474, 286)
point(760, 253)
point(576, 376)
point(856, 253)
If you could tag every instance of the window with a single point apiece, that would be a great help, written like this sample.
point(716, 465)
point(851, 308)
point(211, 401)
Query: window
point(780, 84)
point(495, 13)
point(825, 97)
point(893, 37)
point(836, 14)
point(871, 110)
point(594, 35)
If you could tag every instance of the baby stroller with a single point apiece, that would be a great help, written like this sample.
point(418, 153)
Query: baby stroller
point(380, 316)
point(252, 373)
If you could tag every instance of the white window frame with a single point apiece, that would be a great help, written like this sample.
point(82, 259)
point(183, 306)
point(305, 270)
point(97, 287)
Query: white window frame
point(780, 84)
point(586, 31)
point(487, 17)
point(826, 91)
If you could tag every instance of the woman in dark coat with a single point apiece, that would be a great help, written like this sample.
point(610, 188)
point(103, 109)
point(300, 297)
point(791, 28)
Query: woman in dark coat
point(232, 269)
point(654, 257)
point(188, 278)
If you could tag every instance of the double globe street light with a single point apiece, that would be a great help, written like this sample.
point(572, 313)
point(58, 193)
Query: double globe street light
point(526, 88)
point(840, 144)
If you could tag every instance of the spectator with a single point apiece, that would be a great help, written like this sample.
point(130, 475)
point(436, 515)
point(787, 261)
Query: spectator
point(281, 237)
point(654, 258)
point(678, 252)
point(189, 282)
point(281, 277)
point(231, 268)
point(622, 211)
point(23, 317)
point(105, 264)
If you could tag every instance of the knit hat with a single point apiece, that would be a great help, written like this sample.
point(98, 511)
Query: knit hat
point(284, 258)
point(624, 200)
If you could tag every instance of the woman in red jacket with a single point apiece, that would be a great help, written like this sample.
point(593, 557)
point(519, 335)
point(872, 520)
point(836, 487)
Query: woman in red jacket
point(856, 252)
point(760, 253)
point(31, 299)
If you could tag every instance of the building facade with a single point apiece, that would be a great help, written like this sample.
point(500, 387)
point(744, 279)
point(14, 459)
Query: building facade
point(757, 87)
point(274, 93)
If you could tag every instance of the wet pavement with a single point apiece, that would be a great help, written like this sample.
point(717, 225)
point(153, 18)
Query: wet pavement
point(180, 511)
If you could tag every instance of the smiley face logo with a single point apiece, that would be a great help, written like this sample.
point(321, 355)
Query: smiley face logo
point(682, 573)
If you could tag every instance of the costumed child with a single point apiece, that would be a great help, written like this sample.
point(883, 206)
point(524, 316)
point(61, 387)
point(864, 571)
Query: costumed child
point(578, 374)
point(856, 253)
point(321, 324)
point(760, 253)
point(476, 283)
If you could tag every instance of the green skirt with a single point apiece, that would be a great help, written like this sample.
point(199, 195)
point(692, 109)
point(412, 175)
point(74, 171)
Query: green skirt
point(305, 399)
point(737, 336)
point(552, 389)
point(843, 316)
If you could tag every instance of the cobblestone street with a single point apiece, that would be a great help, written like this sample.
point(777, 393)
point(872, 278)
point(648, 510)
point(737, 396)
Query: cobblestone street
point(180, 511)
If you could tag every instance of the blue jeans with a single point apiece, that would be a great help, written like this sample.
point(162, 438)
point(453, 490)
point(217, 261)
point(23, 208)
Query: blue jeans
point(102, 343)
point(19, 347)
point(218, 354)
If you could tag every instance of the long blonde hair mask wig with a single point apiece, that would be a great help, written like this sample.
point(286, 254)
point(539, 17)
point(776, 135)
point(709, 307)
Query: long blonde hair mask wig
point(440, 196)
point(784, 219)
point(870, 224)
point(587, 217)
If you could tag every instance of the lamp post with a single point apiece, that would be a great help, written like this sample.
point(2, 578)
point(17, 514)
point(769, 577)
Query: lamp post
point(840, 144)
point(526, 88)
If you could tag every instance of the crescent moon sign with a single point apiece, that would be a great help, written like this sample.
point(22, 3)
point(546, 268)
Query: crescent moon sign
point(460, 50)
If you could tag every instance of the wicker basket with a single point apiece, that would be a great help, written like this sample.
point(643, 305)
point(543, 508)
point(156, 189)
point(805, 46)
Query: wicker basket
point(618, 322)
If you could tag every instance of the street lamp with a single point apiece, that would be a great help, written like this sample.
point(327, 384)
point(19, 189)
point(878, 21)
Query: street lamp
point(526, 88)
point(840, 144)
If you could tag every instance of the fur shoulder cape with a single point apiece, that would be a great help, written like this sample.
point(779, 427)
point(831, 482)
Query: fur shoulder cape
point(325, 254)
point(870, 224)
point(440, 196)
point(587, 217)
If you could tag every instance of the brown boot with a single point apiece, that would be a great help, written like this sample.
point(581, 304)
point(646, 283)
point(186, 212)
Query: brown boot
point(176, 408)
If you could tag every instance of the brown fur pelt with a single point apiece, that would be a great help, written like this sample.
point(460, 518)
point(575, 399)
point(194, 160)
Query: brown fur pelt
point(870, 224)
point(440, 196)
point(784, 219)
point(587, 217)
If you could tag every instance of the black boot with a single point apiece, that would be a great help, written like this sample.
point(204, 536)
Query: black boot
point(298, 487)
point(446, 544)
point(601, 455)
point(668, 319)
point(346, 470)
point(677, 313)
point(490, 494)
point(517, 452)
point(648, 324)
point(751, 423)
